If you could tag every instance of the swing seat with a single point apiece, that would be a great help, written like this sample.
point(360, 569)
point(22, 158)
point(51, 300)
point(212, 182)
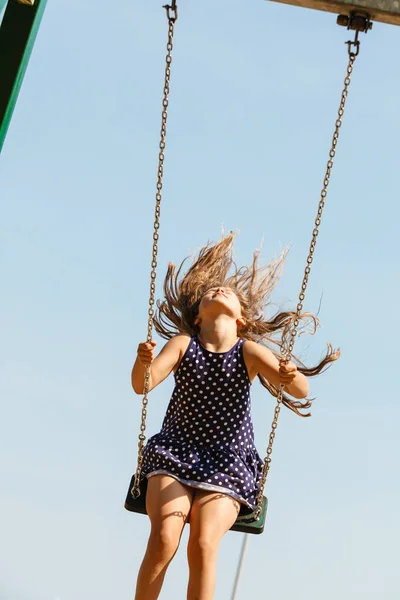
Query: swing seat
point(245, 523)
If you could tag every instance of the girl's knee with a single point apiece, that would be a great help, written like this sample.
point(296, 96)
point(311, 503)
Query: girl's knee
point(202, 548)
point(163, 543)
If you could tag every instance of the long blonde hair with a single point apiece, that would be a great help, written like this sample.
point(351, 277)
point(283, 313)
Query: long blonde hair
point(214, 266)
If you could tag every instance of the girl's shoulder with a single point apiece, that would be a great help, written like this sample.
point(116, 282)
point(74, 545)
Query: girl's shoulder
point(254, 350)
point(180, 342)
point(249, 346)
point(181, 338)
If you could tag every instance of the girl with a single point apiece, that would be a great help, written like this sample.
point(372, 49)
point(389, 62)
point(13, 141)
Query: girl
point(203, 463)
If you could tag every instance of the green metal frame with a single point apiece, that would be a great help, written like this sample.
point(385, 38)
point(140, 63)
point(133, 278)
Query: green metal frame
point(18, 32)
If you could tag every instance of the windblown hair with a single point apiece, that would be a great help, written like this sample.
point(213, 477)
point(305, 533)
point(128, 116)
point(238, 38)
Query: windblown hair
point(214, 266)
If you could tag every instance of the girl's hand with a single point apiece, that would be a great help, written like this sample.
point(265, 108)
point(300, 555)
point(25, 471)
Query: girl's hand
point(146, 352)
point(287, 372)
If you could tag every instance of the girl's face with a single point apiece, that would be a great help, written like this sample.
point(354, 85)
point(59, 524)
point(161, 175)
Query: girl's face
point(219, 300)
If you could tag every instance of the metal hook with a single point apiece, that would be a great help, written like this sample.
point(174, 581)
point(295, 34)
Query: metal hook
point(357, 22)
point(356, 45)
point(172, 8)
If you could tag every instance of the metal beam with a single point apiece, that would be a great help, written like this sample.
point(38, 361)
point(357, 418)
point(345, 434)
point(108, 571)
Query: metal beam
point(386, 11)
point(18, 32)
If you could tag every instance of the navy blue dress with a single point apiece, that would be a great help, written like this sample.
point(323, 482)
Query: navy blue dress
point(207, 439)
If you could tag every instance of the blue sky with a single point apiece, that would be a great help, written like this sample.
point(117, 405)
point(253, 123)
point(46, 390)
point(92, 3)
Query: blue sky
point(254, 95)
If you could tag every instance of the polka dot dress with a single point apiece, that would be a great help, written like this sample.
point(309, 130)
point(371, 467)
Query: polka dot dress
point(207, 438)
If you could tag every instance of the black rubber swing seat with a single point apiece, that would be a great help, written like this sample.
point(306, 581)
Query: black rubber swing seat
point(245, 523)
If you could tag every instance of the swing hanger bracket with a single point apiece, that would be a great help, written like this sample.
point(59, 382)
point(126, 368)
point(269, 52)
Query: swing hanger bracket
point(358, 22)
point(172, 11)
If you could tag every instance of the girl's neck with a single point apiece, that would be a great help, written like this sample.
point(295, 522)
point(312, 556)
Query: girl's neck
point(218, 335)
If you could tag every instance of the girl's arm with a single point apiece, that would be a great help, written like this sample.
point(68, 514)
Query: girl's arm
point(161, 366)
point(260, 360)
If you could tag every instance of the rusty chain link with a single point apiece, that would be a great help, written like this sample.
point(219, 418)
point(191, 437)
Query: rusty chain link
point(172, 15)
point(287, 347)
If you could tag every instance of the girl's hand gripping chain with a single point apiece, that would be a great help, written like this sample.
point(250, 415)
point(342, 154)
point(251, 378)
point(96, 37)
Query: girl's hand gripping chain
point(287, 372)
point(146, 352)
point(145, 356)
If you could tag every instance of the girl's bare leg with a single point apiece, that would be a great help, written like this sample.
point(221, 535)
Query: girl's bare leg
point(168, 505)
point(211, 516)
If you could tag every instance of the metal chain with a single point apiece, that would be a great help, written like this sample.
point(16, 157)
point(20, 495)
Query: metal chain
point(287, 349)
point(172, 15)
